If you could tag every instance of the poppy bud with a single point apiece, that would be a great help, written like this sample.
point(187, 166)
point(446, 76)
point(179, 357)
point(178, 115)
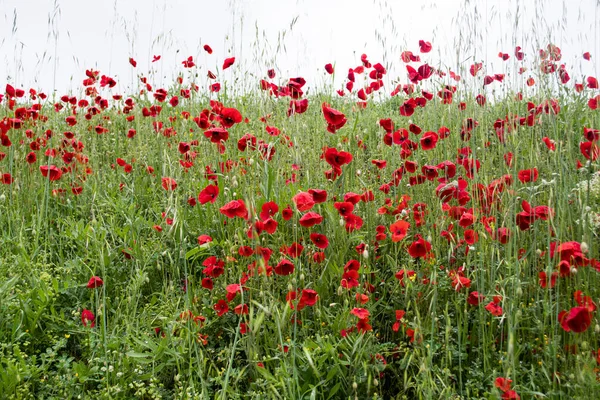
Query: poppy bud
point(340, 291)
point(375, 382)
point(354, 385)
point(290, 287)
point(301, 277)
point(342, 222)
point(365, 254)
point(573, 271)
point(584, 247)
point(584, 345)
point(597, 329)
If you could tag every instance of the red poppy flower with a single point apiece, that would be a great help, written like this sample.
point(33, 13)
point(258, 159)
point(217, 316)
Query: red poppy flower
point(95, 282)
point(589, 150)
point(207, 49)
point(337, 158)
point(287, 213)
point(424, 47)
point(408, 107)
point(232, 290)
point(230, 117)
point(466, 220)
point(294, 250)
point(268, 209)
point(503, 384)
point(329, 68)
point(494, 308)
point(350, 275)
point(235, 208)
point(475, 298)
point(285, 267)
point(335, 119)
point(429, 140)
point(504, 56)
point(207, 283)
point(399, 230)
point(6, 178)
point(543, 279)
point(304, 201)
point(88, 317)
point(221, 307)
point(241, 309)
point(310, 219)
point(471, 236)
point(578, 319)
point(318, 195)
point(592, 82)
point(353, 223)
point(51, 172)
point(319, 240)
point(297, 107)
point(591, 134)
point(168, 183)
point(550, 144)
point(189, 63)
point(459, 281)
point(217, 134)
point(203, 239)
point(309, 298)
point(419, 248)
point(361, 313)
point(208, 194)
point(528, 175)
point(503, 235)
point(408, 56)
point(510, 395)
point(228, 62)
point(363, 325)
point(344, 208)
point(380, 164)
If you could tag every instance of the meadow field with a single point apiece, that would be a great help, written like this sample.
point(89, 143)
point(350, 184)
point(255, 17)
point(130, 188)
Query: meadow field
point(434, 238)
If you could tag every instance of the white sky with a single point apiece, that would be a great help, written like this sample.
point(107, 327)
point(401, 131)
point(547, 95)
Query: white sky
point(53, 42)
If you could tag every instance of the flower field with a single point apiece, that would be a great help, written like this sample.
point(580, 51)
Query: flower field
point(430, 236)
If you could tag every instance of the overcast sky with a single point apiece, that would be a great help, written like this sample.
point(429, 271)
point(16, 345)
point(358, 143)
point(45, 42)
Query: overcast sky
point(49, 44)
